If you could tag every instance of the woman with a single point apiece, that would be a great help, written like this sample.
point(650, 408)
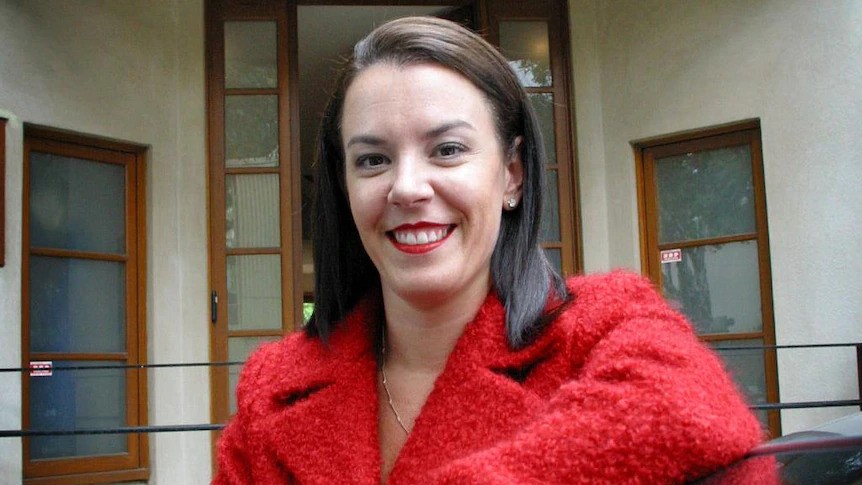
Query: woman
point(443, 348)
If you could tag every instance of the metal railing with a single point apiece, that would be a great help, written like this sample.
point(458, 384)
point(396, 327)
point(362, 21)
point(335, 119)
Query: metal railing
point(12, 433)
point(807, 404)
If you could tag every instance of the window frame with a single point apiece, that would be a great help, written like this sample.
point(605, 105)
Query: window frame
point(133, 465)
point(745, 132)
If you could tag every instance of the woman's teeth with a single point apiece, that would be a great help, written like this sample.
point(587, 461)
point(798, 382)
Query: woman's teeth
point(424, 236)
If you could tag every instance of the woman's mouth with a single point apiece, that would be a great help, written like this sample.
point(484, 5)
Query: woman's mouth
point(419, 238)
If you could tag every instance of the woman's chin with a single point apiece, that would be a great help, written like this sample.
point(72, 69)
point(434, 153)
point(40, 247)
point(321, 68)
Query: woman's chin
point(433, 292)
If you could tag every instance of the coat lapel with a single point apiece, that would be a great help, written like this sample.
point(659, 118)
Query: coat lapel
point(323, 424)
point(482, 397)
point(322, 419)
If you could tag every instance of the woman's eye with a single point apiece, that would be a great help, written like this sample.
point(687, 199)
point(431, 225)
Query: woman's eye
point(448, 150)
point(371, 161)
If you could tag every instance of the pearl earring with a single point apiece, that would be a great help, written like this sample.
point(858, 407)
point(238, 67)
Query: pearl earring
point(512, 203)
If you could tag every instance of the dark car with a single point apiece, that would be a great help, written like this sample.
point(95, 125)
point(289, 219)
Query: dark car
point(830, 454)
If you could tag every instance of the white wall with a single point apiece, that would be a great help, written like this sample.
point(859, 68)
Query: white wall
point(131, 70)
point(668, 66)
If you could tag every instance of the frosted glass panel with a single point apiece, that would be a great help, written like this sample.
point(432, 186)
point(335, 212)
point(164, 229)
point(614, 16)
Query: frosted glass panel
point(254, 292)
point(77, 204)
point(550, 230)
point(251, 131)
point(251, 211)
point(77, 305)
point(705, 194)
point(526, 45)
point(748, 370)
point(555, 258)
point(250, 55)
point(543, 104)
point(78, 399)
point(238, 350)
point(717, 287)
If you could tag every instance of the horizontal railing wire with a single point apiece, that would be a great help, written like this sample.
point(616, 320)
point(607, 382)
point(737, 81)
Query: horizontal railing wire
point(168, 428)
point(125, 366)
point(12, 433)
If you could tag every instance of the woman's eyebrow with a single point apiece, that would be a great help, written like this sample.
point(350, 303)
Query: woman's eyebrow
point(365, 140)
point(449, 125)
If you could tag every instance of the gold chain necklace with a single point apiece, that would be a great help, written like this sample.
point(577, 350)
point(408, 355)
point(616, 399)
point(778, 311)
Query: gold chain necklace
point(385, 387)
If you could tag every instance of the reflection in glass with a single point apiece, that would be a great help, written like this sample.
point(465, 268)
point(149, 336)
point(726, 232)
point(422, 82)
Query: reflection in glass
point(717, 287)
point(705, 194)
point(238, 350)
point(550, 229)
point(251, 211)
point(254, 292)
point(748, 370)
point(250, 55)
point(251, 131)
point(77, 204)
point(543, 104)
point(555, 257)
point(78, 399)
point(77, 305)
point(526, 46)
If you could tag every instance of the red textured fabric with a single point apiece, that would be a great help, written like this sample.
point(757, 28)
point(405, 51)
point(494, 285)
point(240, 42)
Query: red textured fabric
point(617, 390)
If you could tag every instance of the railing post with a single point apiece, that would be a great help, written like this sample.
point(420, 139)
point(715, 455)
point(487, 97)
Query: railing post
point(859, 370)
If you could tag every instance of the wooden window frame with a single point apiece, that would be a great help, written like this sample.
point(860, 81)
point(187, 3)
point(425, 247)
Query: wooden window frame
point(556, 14)
point(133, 465)
point(748, 133)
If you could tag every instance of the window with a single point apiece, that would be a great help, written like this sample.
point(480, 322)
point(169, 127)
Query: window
point(705, 244)
point(83, 306)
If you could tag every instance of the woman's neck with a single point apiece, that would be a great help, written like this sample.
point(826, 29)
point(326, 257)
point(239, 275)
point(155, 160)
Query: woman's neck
point(420, 337)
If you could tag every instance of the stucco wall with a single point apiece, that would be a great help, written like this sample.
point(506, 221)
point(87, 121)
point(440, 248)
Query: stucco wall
point(669, 66)
point(131, 70)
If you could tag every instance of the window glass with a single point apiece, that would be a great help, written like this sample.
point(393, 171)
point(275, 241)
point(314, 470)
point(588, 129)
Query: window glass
point(251, 211)
point(555, 258)
point(543, 104)
point(254, 292)
point(250, 55)
point(77, 204)
point(705, 194)
point(527, 47)
point(77, 305)
point(717, 287)
point(748, 368)
point(550, 229)
point(251, 131)
point(78, 399)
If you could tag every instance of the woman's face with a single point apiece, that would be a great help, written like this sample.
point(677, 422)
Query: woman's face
point(427, 179)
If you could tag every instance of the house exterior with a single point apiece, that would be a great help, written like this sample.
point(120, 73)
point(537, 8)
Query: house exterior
point(141, 79)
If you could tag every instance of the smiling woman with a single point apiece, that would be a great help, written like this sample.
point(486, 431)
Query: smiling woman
point(427, 182)
point(444, 348)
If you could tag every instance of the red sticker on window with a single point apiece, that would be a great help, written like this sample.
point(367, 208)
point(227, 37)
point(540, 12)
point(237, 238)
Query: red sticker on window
point(670, 256)
point(41, 368)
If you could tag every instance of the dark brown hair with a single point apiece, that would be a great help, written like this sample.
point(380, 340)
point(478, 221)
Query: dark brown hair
point(520, 272)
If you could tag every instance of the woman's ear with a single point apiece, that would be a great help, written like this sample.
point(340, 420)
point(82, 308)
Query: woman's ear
point(514, 175)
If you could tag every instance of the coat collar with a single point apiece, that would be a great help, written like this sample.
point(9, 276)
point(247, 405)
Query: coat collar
point(324, 425)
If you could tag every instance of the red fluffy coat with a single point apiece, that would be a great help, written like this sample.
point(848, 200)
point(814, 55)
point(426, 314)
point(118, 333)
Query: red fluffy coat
point(617, 390)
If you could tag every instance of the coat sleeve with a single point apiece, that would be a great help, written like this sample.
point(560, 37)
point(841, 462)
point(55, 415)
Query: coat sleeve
point(238, 456)
point(648, 403)
point(234, 465)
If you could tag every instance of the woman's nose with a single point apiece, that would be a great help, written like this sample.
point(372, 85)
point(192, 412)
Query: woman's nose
point(410, 184)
